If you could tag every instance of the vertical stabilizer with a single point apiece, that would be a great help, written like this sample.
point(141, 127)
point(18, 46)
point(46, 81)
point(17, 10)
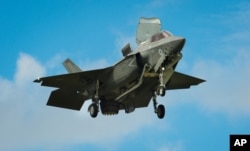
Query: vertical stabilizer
point(70, 66)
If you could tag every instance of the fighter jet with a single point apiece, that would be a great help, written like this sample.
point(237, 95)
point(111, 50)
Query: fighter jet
point(143, 74)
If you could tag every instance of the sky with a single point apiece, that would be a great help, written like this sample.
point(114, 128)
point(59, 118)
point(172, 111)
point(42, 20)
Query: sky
point(37, 36)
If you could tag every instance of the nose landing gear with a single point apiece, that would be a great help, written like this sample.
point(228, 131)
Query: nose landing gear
point(159, 110)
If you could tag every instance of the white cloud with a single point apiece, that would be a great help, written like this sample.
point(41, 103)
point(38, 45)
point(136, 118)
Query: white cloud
point(26, 122)
point(227, 87)
point(172, 146)
point(27, 68)
point(55, 61)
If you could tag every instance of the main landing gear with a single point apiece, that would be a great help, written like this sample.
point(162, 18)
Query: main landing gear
point(94, 107)
point(93, 110)
point(159, 110)
point(107, 107)
point(161, 88)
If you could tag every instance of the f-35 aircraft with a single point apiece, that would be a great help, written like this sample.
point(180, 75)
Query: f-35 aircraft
point(141, 76)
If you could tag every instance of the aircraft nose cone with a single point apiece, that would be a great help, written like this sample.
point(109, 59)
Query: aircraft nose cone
point(181, 42)
point(178, 44)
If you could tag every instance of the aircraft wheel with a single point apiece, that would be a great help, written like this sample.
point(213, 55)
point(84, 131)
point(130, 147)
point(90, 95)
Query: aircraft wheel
point(161, 91)
point(161, 111)
point(93, 110)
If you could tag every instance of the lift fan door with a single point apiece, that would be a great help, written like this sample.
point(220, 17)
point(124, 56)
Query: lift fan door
point(147, 27)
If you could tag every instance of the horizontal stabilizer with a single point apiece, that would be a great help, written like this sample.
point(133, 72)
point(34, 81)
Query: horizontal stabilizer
point(70, 66)
point(65, 98)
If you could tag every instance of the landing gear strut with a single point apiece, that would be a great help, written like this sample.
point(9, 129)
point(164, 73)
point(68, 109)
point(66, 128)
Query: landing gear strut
point(160, 109)
point(161, 88)
point(94, 107)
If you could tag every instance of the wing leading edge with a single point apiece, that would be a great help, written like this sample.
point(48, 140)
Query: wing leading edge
point(77, 81)
point(182, 81)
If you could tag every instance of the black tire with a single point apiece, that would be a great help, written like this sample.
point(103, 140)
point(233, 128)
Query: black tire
point(161, 111)
point(93, 110)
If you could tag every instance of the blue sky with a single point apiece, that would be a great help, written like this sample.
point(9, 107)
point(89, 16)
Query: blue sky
point(36, 37)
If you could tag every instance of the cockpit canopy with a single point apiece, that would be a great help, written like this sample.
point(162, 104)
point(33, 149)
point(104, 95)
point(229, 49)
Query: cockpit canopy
point(160, 35)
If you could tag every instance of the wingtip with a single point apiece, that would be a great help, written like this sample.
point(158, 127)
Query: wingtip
point(38, 80)
point(203, 81)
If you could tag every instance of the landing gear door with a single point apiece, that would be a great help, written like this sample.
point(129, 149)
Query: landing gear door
point(147, 27)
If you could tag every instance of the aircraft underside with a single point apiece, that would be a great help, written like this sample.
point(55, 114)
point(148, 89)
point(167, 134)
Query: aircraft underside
point(149, 84)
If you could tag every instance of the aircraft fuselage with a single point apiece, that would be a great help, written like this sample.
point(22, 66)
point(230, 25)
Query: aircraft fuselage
point(126, 73)
point(142, 75)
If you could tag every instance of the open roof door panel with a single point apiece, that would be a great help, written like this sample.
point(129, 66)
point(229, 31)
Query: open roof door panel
point(147, 27)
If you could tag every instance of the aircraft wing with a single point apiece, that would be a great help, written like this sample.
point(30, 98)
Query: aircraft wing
point(143, 95)
point(182, 81)
point(77, 81)
point(66, 96)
